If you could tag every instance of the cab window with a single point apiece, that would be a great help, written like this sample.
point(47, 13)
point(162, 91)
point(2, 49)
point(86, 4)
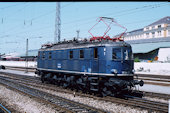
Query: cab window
point(116, 54)
point(71, 54)
point(50, 55)
point(43, 55)
point(127, 53)
point(81, 54)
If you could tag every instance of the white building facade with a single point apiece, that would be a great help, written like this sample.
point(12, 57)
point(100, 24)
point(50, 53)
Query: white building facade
point(158, 29)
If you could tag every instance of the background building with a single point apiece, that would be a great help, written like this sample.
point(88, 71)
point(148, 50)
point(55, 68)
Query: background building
point(158, 29)
point(148, 43)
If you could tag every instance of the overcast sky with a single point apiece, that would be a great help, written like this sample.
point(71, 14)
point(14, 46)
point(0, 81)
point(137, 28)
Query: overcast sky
point(36, 20)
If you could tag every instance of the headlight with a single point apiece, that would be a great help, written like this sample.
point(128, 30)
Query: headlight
point(133, 70)
point(114, 71)
point(124, 72)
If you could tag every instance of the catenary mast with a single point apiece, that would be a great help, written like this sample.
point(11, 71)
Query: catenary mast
point(57, 24)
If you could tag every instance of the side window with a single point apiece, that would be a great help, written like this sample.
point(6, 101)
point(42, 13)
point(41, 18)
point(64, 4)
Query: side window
point(49, 55)
point(116, 54)
point(81, 53)
point(126, 54)
point(71, 54)
point(43, 55)
point(95, 53)
point(39, 54)
point(159, 26)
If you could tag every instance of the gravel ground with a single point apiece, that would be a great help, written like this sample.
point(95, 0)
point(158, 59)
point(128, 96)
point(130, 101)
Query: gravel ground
point(22, 103)
point(26, 104)
point(157, 99)
point(108, 106)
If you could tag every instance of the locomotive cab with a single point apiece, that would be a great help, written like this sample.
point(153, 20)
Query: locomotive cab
point(122, 60)
point(116, 60)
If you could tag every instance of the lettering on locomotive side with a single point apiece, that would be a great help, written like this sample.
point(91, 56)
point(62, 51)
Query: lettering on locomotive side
point(58, 65)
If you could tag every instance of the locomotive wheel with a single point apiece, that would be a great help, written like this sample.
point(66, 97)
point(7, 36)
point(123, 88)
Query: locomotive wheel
point(42, 78)
point(105, 92)
point(65, 85)
point(79, 84)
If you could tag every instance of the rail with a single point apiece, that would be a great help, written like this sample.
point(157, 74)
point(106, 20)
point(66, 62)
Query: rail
point(135, 102)
point(59, 102)
point(4, 109)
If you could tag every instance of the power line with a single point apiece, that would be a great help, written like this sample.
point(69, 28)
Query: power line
point(123, 24)
point(47, 13)
point(26, 4)
point(135, 8)
point(37, 17)
point(10, 6)
point(46, 27)
point(152, 7)
point(122, 11)
point(72, 22)
point(31, 20)
point(82, 30)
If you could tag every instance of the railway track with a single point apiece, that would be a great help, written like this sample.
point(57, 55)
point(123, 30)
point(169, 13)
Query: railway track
point(135, 102)
point(3, 109)
point(37, 79)
point(29, 69)
point(157, 95)
point(161, 80)
point(62, 104)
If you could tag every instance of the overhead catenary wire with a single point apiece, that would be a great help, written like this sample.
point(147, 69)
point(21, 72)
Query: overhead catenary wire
point(42, 15)
point(48, 13)
point(151, 6)
point(117, 13)
point(92, 18)
point(6, 7)
point(82, 30)
point(47, 29)
point(17, 11)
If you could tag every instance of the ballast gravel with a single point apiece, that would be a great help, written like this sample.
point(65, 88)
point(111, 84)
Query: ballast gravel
point(26, 104)
point(107, 106)
point(156, 99)
point(22, 103)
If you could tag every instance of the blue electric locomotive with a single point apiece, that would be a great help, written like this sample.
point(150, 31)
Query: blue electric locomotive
point(105, 67)
point(101, 65)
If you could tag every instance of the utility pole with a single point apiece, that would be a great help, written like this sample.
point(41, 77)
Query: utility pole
point(57, 24)
point(26, 62)
point(78, 31)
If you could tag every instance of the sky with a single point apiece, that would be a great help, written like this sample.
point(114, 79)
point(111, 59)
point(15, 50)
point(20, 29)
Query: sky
point(36, 21)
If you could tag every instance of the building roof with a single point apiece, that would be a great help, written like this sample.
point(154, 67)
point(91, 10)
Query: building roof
point(160, 21)
point(150, 40)
point(165, 20)
point(147, 47)
point(137, 31)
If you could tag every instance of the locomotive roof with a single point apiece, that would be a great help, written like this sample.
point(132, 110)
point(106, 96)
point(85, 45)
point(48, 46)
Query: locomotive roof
point(82, 44)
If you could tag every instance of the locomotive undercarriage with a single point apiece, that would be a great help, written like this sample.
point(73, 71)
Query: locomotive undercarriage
point(100, 85)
